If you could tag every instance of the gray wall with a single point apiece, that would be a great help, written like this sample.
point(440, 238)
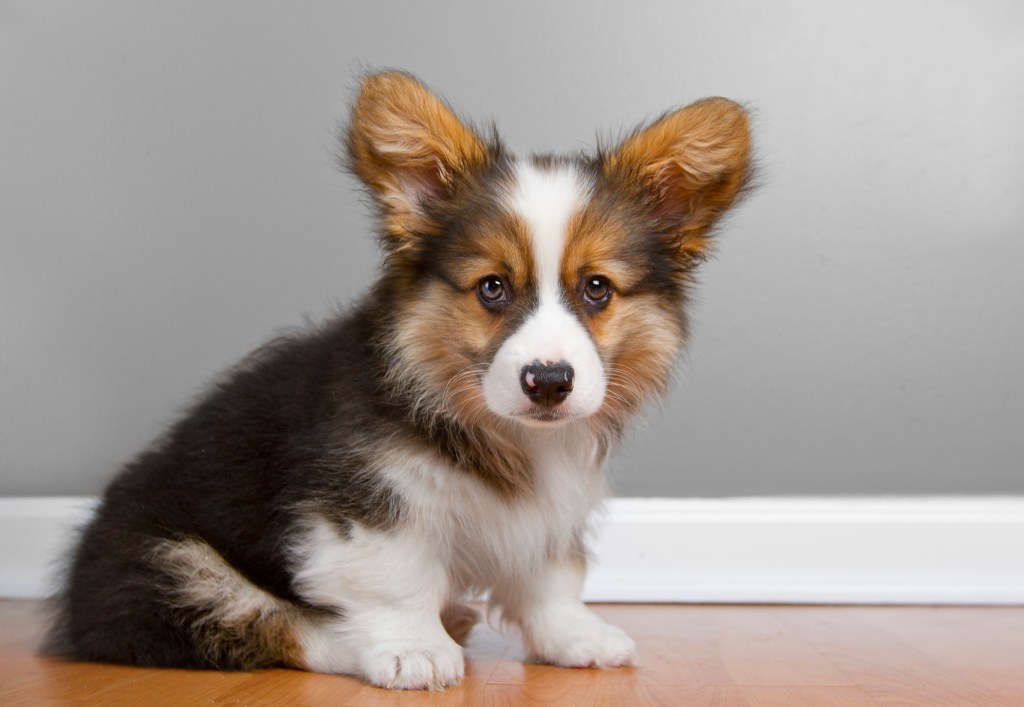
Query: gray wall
point(167, 199)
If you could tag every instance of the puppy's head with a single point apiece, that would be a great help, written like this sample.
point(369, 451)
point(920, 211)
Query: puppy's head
point(547, 289)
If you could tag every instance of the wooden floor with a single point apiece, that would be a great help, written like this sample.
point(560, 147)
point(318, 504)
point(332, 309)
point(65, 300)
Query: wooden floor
point(690, 655)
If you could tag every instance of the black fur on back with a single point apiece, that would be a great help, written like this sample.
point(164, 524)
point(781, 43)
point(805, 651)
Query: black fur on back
point(282, 432)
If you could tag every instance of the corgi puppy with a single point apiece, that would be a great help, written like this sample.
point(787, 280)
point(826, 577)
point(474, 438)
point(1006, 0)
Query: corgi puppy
point(329, 503)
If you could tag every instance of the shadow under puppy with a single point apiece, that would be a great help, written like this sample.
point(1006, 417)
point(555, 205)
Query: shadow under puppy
point(331, 500)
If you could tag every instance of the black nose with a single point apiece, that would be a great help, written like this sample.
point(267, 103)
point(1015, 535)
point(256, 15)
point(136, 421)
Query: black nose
point(547, 384)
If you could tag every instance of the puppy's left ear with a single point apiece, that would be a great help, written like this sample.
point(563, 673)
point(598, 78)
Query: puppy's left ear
point(408, 146)
point(687, 167)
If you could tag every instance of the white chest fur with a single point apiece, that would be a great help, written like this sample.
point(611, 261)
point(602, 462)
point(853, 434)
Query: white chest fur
point(482, 536)
point(456, 535)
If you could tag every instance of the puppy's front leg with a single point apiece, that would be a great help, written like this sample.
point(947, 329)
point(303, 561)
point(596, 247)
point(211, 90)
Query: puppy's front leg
point(387, 588)
point(557, 627)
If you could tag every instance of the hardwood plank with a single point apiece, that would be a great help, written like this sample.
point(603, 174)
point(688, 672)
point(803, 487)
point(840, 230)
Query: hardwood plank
point(692, 655)
point(757, 649)
point(986, 647)
point(863, 643)
point(616, 696)
point(811, 696)
point(677, 647)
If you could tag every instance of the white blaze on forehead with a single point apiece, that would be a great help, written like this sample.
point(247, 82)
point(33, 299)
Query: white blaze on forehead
point(546, 199)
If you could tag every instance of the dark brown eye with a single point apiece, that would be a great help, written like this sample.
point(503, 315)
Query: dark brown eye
point(597, 290)
point(492, 291)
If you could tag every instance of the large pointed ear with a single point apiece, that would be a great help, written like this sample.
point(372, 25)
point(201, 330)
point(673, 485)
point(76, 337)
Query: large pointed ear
point(409, 148)
point(688, 167)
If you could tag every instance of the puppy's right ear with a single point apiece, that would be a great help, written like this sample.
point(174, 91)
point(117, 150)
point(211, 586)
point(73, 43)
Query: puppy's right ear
point(409, 148)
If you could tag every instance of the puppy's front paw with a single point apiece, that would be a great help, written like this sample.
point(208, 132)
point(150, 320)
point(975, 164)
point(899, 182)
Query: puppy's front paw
point(415, 666)
point(589, 644)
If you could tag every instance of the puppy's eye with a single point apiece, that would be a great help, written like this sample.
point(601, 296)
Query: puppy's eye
point(492, 291)
point(597, 290)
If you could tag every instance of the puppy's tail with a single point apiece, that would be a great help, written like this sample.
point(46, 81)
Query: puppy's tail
point(234, 623)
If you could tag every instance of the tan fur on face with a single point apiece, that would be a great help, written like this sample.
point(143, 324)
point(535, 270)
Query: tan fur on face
point(499, 245)
point(596, 246)
point(648, 226)
point(641, 339)
point(444, 335)
point(640, 331)
point(444, 339)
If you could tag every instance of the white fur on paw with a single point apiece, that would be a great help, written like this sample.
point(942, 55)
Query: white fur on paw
point(587, 645)
point(415, 666)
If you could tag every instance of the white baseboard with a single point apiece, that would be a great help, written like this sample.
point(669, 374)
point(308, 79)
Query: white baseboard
point(962, 550)
point(966, 550)
point(35, 534)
